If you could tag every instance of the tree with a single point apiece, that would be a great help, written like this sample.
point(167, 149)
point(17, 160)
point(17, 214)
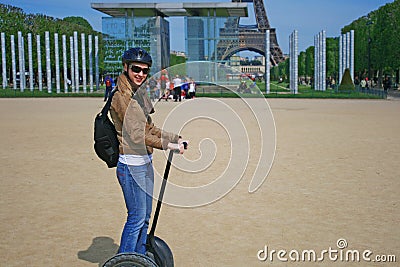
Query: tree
point(332, 57)
point(78, 21)
point(175, 60)
point(347, 82)
point(377, 31)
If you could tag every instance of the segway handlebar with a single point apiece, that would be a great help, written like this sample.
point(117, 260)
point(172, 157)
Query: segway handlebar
point(162, 190)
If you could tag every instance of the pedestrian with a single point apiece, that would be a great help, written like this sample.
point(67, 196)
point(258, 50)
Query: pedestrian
point(164, 85)
point(387, 84)
point(363, 84)
point(130, 112)
point(109, 84)
point(153, 88)
point(185, 87)
point(192, 89)
point(177, 88)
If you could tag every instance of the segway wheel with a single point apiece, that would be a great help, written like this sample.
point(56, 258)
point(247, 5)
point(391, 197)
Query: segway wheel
point(129, 260)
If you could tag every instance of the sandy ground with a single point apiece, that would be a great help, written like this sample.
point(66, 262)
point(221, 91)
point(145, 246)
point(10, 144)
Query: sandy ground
point(336, 175)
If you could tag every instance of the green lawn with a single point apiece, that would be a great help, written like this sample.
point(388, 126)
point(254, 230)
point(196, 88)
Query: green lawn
point(281, 90)
point(276, 91)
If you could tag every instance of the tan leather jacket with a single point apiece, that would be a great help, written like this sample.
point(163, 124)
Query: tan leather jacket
point(136, 134)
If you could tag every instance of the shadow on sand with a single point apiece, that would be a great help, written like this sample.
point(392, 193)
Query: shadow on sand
point(101, 249)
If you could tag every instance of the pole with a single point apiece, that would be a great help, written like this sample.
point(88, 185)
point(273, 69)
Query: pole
point(83, 62)
point(21, 66)
point(71, 48)
point(352, 54)
point(76, 60)
point(13, 63)
point(267, 62)
point(30, 61)
point(96, 60)
point(57, 58)
point(65, 65)
point(340, 59)
point(90, 62)
point(323, 37)
point(39, 60)
point(48, 64)
point(3, 59)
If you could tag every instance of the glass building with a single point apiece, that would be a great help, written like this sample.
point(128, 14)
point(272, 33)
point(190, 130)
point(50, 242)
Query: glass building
point(209, 29)
point(122, 33)
point(208, 38)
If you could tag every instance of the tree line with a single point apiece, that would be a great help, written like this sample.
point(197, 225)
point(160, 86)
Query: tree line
point(376, 48)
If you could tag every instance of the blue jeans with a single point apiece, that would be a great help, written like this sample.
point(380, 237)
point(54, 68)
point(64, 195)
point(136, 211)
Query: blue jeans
point(137, 184)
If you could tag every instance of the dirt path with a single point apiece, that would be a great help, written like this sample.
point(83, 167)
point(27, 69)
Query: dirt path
point(335, 175)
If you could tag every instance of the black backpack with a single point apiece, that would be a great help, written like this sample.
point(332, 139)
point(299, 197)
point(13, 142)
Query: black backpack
point(106, 144)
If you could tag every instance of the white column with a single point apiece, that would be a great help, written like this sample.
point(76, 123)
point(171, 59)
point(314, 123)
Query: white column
point(96, 60)
point(296, 62)
point(76, 60)
point(13, 63)
point(65, 65)
point(340, 59)
point(319, 62)
point(3, 59)
point(352, 54)
point(316, 62)
point(348, 50)
point(344, 52)
point(48, 63)
point(30, 60)
point(21, 60)
point(71, 49)
point(323, 59)
point(83, 62)
point(294, 68)
point(57, 59)
point(39, 62)
point(90, 62)
point(291, 61)
point(267, 62)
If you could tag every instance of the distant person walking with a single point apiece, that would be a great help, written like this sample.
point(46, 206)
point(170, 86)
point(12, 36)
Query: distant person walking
point(192, 89)
point(363, 84)
point(109, 82)
point(387, 84)
point(177, 88)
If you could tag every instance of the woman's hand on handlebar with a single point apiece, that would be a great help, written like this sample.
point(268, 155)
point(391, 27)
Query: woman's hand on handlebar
point(178, 147)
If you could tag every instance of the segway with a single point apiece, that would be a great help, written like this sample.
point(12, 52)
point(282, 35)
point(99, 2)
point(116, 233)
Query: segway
point(158, 253)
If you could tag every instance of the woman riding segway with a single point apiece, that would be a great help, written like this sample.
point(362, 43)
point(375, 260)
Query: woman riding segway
point(130, 111)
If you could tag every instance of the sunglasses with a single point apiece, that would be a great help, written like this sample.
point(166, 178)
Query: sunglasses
point(137, 69)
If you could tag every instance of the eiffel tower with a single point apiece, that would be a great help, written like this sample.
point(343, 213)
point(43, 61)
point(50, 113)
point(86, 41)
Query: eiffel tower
point(251, 37)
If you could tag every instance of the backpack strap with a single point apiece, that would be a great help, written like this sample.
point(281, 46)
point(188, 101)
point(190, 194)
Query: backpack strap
point(107, 106)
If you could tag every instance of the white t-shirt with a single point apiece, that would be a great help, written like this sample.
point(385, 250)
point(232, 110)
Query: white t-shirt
point(177, 82)
point(192, 87)
point(135, 160)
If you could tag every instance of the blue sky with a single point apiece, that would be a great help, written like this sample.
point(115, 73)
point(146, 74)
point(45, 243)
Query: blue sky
point(308, 17)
